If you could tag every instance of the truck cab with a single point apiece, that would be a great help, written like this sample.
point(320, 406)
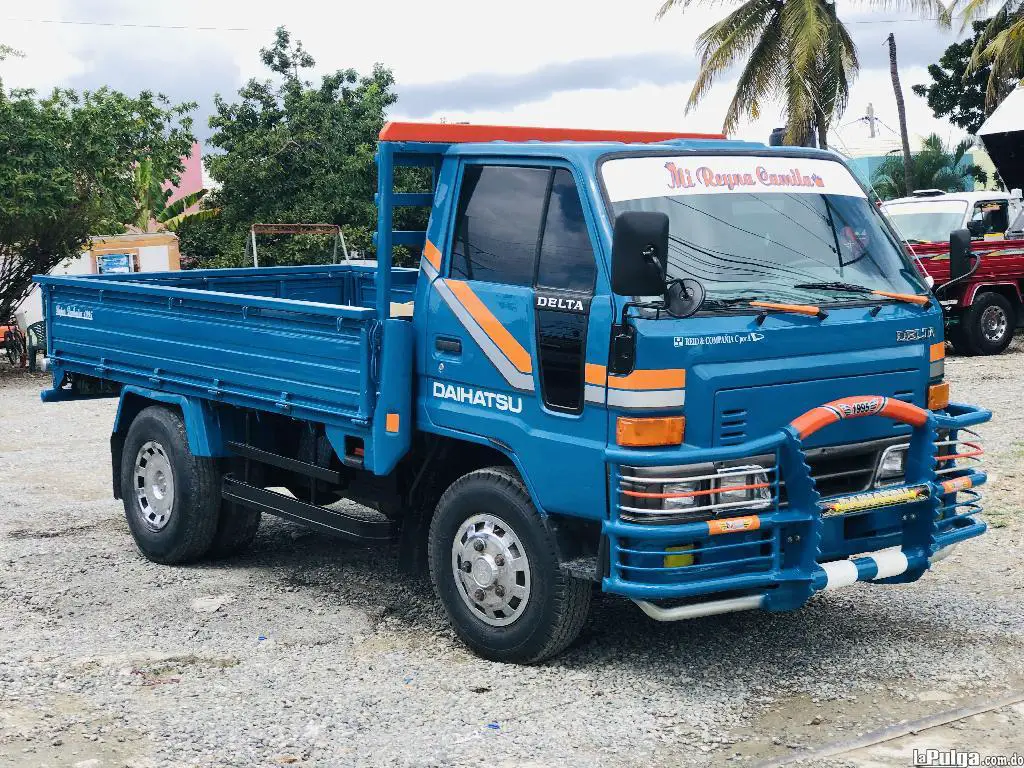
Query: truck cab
point(981, 294)
point(696, 373)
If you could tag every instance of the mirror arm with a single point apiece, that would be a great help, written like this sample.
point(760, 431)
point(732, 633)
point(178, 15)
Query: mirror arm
point(974, 268)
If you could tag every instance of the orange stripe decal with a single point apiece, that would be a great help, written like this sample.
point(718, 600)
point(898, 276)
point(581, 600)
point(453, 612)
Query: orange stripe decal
point(498, 333)
point(431, 254)
point(596, 374)
point(937, 351)
point(733, 525)
point(669, 378)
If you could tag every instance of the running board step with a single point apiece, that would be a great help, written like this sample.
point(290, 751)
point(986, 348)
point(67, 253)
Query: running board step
point(284, 462)
point(320, 518)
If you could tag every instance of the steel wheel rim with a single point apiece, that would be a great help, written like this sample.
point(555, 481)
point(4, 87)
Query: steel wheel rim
point(154, 485)
point(491, 570)
point(994, 324)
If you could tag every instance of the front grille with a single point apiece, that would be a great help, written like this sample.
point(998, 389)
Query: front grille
point(846, 468)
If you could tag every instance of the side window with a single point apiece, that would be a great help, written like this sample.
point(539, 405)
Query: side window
point(497, 224)
point(566, 255)
point(990, 218)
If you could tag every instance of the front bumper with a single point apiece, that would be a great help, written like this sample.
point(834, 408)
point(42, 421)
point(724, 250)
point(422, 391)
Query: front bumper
point(777, 557)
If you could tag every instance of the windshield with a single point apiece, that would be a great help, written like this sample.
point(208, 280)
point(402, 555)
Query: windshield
point(764, 228)
point(926, 221)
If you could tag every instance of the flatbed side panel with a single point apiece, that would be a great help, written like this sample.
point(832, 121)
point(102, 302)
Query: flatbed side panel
point(304, 359)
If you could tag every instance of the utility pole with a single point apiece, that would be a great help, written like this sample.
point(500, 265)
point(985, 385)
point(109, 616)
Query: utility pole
point(908, 175)
point(870, 117)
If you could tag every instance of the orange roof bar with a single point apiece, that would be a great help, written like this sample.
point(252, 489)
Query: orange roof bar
point(459, 133)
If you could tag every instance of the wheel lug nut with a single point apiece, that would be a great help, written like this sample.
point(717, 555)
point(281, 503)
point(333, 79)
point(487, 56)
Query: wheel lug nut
point(478, 545)
point(467, 566)
point(478, 594)
point(499, 591)
point(499, 560)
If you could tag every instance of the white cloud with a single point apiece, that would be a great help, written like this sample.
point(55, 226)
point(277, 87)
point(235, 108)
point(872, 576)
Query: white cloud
point(434, 48)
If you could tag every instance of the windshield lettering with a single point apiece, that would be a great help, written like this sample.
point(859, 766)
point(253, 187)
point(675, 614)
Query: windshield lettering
point(778, 229)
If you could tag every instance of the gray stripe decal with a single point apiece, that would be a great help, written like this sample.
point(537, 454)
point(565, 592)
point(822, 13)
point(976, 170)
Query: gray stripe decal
point(937, 369)
point(517, 379)
point(593, 393)
point(660, 398)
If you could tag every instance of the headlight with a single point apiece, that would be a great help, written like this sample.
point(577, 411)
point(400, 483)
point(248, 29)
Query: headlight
point(736, 486)
point(681, 502)
point(892, 466)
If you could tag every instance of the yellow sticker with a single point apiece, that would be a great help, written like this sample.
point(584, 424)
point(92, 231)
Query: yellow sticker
point(874, 499)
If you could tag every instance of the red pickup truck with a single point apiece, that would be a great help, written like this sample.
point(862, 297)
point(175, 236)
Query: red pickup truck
point(980, 290)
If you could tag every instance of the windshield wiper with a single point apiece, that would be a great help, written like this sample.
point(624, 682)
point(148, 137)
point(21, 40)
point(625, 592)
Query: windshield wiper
point(723, 303)
point(910, 298)
point(836, 285)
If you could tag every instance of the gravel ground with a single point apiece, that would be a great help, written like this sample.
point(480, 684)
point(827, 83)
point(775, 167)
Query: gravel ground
point(311, 652)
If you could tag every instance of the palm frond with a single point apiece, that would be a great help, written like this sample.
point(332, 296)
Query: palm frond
point(174, 222)
point(730, 41)
point(182, 204)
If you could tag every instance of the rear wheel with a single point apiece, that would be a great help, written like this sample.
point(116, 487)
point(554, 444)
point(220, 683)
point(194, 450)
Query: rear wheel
point(171, 497)
point(495, 568)
point(988, 324)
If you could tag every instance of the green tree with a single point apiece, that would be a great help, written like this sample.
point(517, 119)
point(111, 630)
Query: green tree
point(1000, 46)
point(957, 92)
point(795, 51)
point(66, 172)
point(293, 152)
point(935, 167)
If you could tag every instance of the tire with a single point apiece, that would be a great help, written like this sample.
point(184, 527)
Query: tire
point(552, 606)
point(236, 528)
point(171, 498)
point(988, 324)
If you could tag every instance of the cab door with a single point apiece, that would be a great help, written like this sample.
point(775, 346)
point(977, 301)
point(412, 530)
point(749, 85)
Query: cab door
point(519, 309)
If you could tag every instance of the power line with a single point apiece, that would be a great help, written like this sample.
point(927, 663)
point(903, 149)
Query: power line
point(131, 25)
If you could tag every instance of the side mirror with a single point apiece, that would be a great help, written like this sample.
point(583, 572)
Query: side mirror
point(976, 227)
point(640, 253)
point(959, 253)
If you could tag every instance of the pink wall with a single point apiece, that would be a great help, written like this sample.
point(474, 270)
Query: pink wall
point(191, 176)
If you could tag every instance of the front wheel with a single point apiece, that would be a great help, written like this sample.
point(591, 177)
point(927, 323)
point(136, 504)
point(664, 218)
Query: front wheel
point(988, 324)
point(495, 568)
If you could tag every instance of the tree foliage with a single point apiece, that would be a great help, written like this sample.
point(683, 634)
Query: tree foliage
point(66, 172)
point(935, 167)
point(999, 47)
point(958, 91)
point(292, 151)
point(795, 51)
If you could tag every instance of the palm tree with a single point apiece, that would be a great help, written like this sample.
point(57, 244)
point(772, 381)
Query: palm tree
point(152, 213)
point(797, 51)
point(934, 167)
point(1001, 44)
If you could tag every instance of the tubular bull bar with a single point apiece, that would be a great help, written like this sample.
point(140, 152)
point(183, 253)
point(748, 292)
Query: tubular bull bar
point(771, 556)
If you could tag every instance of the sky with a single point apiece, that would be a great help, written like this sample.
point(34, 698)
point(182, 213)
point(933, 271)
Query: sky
point(534, 62)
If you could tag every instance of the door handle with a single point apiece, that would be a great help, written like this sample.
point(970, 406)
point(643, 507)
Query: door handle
point(448, 345)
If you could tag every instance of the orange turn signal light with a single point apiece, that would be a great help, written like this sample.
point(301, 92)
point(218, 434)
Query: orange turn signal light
point(938, 396)
point(649, 432)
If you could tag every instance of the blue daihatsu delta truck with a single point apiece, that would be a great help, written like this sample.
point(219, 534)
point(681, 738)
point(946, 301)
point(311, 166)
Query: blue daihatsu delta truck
point(700, 374)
